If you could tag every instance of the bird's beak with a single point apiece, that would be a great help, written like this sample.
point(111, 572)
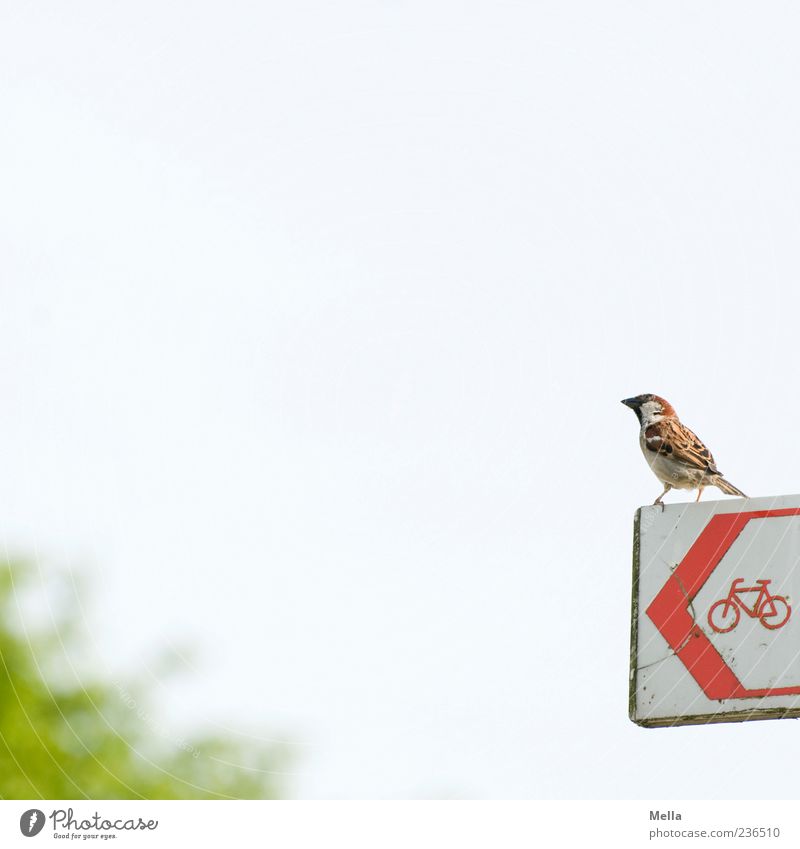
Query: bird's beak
point(630, 402)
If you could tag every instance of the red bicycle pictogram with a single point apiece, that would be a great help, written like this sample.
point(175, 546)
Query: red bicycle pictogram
point(773, 611)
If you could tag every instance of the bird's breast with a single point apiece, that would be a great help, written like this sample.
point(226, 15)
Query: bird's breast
point(669, 469)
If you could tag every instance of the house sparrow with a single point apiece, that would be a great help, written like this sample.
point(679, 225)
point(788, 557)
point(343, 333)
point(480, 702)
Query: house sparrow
point(676, 456)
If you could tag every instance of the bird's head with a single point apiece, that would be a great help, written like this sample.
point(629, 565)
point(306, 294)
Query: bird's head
point(649, 408)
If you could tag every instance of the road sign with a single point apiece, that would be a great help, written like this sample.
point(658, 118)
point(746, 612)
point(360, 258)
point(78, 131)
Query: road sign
point(715, 636)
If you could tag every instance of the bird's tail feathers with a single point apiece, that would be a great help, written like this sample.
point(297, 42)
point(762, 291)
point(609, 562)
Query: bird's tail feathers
point(728, 488)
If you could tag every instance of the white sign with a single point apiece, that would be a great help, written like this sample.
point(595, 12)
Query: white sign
point(715, 635)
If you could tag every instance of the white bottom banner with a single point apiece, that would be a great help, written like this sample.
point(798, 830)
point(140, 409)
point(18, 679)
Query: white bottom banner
point(401, 825)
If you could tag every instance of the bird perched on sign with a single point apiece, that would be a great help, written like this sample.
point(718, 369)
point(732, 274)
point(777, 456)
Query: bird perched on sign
point(677, 457)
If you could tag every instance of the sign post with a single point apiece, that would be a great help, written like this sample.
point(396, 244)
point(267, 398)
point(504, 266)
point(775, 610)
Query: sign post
point(714, 636)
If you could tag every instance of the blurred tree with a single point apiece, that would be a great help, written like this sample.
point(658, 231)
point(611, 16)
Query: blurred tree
point(64, 738)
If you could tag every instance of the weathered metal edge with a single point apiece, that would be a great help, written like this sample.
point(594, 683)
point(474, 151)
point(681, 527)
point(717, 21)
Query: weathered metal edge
point(637, 519)
point(714, 718)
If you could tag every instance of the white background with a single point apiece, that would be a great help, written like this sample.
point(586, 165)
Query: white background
point(315, 321)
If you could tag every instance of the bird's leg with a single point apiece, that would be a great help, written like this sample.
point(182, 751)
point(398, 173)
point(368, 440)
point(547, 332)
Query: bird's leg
point(699, 493)
point(658, 500)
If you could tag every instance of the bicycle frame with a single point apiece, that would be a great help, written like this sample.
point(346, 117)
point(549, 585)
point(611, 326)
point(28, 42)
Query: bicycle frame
point(764, 596)
point(723, 615)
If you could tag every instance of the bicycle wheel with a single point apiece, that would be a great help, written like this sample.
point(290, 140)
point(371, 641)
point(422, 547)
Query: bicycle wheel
point(778, 615)
point(723, 616)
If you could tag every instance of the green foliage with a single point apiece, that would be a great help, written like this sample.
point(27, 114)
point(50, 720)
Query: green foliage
point(64, 738)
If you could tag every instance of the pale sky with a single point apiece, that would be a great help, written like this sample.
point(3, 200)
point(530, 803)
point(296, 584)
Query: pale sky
point(315, 321)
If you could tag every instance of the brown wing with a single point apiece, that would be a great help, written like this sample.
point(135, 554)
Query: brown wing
point(672, 439)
